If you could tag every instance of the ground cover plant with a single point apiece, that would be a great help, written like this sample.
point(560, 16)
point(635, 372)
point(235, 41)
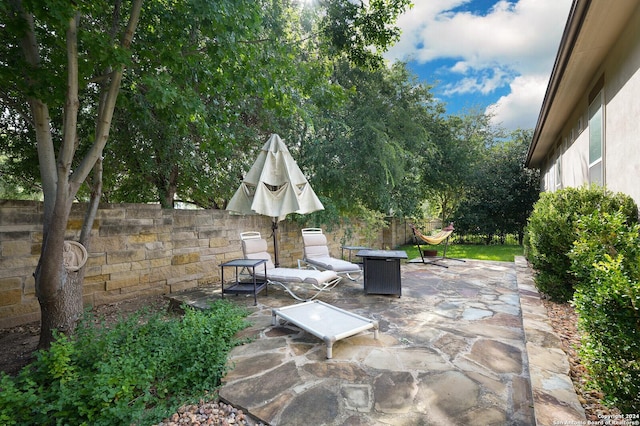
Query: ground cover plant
point(497, 252)
point(136, 372)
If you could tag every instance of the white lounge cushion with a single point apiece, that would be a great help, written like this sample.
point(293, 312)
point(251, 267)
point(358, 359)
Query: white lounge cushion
point(257, 249)
point(315, 245)
point(316, 252)
point(292, 275)
point(333, 264)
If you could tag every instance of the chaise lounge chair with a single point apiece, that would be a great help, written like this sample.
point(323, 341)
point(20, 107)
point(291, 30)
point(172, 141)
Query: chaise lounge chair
point(316, 255)
point(255, 247)
point(436, 239)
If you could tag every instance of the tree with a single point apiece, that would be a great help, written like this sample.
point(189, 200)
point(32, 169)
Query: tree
point(524, 182)
point(502, 191)
point(460, 141)
point(188, 129)
point(181, 112)
point(364, 154)
point(361, 30)
point(50, 44)
point(70, 58)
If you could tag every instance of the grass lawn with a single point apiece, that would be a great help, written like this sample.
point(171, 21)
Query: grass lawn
point(504, 253)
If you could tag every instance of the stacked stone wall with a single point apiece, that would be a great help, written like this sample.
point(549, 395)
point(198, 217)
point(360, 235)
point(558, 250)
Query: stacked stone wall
point(139, 249)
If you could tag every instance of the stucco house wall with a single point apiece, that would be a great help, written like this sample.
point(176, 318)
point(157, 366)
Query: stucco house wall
point(622, 118)
point(566, 162)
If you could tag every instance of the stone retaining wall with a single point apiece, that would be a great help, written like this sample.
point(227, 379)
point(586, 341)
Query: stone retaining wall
point(140, 249)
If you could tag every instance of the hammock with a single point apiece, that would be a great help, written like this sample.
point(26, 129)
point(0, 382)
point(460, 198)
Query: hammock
point(433, 240)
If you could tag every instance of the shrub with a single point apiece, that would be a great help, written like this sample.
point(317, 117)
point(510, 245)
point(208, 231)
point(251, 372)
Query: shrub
point(551, 232)
point(136, 372)
point(606, 259)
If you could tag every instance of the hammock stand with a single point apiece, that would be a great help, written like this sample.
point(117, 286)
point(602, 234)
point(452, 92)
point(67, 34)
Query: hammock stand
point(434, 240)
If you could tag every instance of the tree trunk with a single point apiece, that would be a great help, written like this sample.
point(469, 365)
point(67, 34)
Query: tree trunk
point(92, 208)
point(167, 185)
point(62, 309)
point(58, 289)
point(444, 207)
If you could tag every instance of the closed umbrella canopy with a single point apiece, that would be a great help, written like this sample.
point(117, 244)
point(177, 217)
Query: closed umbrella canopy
point(274, 187)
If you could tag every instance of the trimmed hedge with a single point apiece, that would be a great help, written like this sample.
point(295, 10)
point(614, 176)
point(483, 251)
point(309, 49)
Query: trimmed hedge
point(552, 230)
point(606, 262)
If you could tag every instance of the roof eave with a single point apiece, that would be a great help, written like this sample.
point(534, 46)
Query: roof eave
point(572, 28)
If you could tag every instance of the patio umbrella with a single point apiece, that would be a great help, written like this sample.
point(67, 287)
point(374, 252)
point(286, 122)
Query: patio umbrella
point(274, 187)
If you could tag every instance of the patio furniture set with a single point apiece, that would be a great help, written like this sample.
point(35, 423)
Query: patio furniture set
point(321, 272)
point(274, 187)
point(317, 270)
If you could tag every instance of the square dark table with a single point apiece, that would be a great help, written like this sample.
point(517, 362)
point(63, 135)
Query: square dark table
point(382, 271)
point(350, 250)
point(239, 287)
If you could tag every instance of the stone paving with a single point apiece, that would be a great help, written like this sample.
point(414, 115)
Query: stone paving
point(554, 396)
point(455, 349)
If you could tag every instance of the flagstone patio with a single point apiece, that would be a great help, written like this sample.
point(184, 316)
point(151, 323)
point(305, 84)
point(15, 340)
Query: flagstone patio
point(468, 344)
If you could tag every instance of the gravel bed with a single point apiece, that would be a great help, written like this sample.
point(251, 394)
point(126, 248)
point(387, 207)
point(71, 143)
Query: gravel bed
point(209, 413)
point(564, 321)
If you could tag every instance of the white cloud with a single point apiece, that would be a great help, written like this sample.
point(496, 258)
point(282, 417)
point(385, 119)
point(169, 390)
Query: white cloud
point(461, 67)
point(519, 109)
point(513, 44)
point(524, 35)
point(483, 82)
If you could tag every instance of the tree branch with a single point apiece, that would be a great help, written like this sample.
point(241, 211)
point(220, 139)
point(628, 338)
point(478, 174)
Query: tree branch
point(39, 113)
point(70, 124)
point(105, 113)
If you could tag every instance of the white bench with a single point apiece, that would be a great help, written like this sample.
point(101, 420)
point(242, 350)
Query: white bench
point(325, 321)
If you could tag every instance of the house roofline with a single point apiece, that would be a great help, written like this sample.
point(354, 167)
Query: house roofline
point(572, 29)
point(590, 35)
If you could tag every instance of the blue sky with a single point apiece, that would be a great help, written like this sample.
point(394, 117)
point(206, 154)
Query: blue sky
point(491, 55)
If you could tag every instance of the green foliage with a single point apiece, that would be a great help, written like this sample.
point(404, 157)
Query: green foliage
point(361, 30)
point(205, 83)
point(205, 75)
point(12, 188)
point(501, 191)
point(460, 146)
point(367, 152)
point(552, 230)
point(606, 261)
point(135, 372)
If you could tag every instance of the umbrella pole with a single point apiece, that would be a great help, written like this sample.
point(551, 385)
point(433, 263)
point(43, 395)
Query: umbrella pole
point(274, 228)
